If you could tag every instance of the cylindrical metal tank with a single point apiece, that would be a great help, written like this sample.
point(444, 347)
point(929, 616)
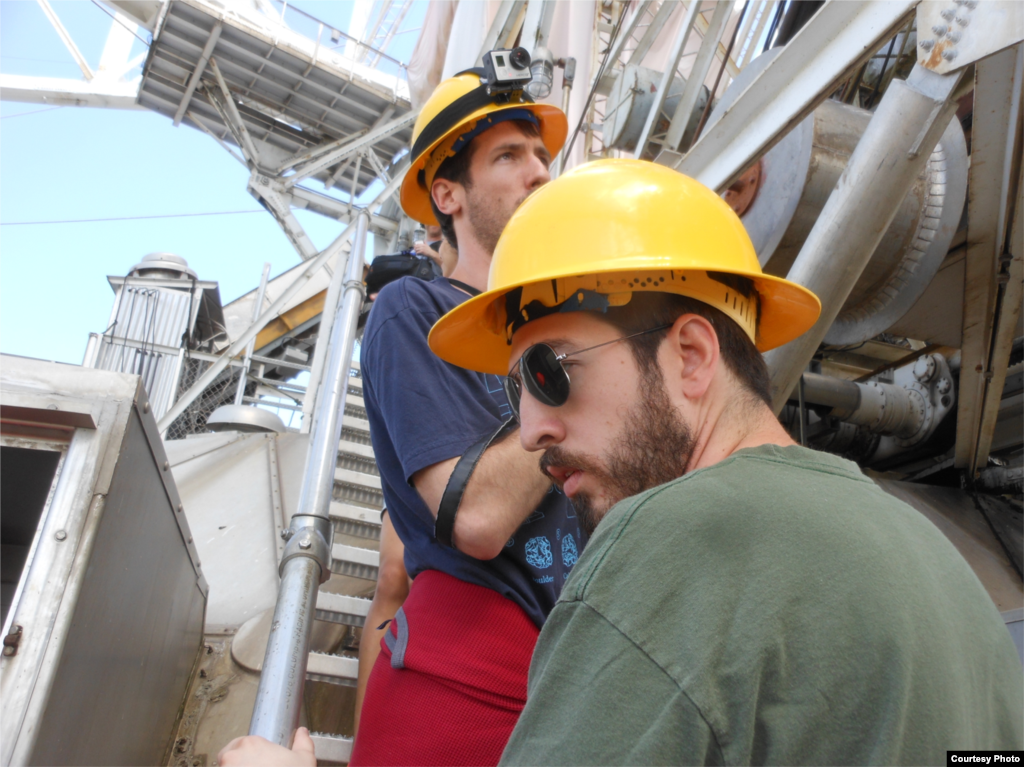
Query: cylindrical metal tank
point(780, 199)
point(630, 101)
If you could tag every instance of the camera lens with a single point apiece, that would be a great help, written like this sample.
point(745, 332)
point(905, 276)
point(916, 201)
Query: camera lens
point(519, 58)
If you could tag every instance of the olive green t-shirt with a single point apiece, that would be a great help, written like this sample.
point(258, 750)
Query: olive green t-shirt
point(775, 608)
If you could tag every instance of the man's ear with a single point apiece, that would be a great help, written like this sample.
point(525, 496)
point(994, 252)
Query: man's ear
point(694, 354)
point(447, 196)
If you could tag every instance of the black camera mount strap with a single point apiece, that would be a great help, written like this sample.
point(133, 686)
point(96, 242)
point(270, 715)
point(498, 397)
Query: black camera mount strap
point(462, 108)
point(444, 525)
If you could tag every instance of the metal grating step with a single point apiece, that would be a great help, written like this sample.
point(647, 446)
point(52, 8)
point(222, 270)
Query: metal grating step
point(331, 748)
point(360, 514)
point(341, 608)
point(354, 561)
point(334, 669)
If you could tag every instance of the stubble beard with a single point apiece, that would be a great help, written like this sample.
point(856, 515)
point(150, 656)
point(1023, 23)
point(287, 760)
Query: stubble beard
point(654, 448)
point(487, 219)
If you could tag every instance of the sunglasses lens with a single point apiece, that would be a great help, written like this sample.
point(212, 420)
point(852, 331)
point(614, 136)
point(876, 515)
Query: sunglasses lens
point(512, 393)
point(544, 376)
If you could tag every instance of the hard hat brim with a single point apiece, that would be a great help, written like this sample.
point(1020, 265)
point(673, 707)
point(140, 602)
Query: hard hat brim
point(416, 200)
point(466, 336)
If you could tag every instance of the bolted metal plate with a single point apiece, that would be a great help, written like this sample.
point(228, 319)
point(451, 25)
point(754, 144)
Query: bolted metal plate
point(954, 33)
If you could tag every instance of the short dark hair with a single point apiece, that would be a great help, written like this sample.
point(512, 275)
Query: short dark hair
point(649, 310)
point(456, 170)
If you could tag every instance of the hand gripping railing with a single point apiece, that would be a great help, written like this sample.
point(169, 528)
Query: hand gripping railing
point(306, 562)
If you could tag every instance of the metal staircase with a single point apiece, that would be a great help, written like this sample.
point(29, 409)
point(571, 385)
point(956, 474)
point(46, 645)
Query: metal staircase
point(355, 517)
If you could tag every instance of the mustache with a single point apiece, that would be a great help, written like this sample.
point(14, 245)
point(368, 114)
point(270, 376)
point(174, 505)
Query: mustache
point(558, 456)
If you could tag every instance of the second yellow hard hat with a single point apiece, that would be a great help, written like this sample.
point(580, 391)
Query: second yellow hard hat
point(615, 227)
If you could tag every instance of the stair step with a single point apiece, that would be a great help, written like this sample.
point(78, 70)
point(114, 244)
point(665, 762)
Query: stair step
point(355, 513)
point(357, 478)
point(354, 448)
point(331, 748)
point(356, 424)
point(354, 561)
point(335, 669)
point(345, 553)
point(341, 608)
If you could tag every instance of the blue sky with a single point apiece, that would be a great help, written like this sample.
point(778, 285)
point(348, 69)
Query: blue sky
point(77, 163)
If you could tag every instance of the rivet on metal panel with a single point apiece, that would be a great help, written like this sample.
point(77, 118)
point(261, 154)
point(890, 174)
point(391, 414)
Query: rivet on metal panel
point(51, 407)
point(949, 54)
point(145, 407)
point(963, 21)
point(179, 508)
point(190, 540)
point(166, 465)
point(948, 14)
point(60, 535)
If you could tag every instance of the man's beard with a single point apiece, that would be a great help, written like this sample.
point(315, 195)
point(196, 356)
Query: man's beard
point(653, 448)
point(487, 220)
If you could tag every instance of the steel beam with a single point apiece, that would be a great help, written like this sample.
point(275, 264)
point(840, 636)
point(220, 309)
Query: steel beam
point(701, 66)
point(888, 159)
point(997, 114)
point(667, 77)
point(502, 26)
point(66, 39)
point(655, 28)
point(262, 188)
point(720, 51)
point(56, 91)
point(271, 312)
point(838, 39)
point(233, 119)
point(197, 73)
point(349, 148)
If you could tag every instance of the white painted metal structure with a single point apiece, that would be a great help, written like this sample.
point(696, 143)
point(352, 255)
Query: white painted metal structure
point(295, 101)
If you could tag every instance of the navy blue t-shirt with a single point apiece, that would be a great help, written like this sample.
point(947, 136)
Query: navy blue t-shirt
point(423, 411)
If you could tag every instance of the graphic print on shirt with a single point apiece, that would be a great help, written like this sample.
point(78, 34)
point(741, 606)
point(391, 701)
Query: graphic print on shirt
point(496, 386)
point(569, 552)
point(538, 552)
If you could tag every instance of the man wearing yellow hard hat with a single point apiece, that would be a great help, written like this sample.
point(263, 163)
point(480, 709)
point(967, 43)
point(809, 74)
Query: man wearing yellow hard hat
point(488, 542)
point(743, 599)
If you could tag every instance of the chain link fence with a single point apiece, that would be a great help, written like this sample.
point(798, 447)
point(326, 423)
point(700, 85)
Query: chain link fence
point(220, 392)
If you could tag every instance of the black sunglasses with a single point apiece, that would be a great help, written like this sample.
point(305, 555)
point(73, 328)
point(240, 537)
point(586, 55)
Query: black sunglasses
point(540, 368)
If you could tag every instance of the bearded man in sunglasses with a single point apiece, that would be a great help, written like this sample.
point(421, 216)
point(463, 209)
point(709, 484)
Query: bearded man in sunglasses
point(743, 599)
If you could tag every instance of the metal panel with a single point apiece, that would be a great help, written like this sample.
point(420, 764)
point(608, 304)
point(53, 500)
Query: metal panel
point(110, 605)
point(136, 630)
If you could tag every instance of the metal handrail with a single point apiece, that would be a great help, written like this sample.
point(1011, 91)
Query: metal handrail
point(306, 560)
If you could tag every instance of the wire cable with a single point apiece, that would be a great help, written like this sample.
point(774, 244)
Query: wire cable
point(33, 112)
point(128, 218)
point(141, 40)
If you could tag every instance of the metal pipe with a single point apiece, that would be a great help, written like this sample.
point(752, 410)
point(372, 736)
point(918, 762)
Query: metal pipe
point(244, 375)
point(890, 155)
point(881, 408)
point(831, 392)
point(306, 559)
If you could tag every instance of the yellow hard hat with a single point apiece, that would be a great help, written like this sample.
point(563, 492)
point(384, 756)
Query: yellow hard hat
point(455, 108)
point(603, 231)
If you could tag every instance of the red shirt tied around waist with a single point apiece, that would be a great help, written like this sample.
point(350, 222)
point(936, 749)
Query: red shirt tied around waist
point(456, 653)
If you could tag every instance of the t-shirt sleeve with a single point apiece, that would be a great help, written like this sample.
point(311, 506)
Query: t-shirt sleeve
point(432, 411)
point(594, 697)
